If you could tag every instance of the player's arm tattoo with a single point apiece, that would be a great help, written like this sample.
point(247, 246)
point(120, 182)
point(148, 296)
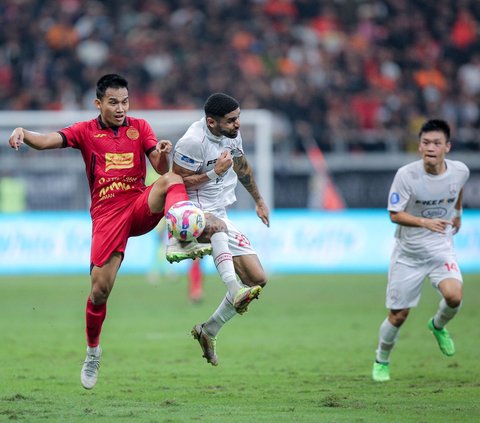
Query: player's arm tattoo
point(245, 175)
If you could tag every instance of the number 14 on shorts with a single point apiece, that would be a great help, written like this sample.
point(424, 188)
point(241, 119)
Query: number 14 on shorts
point(451, 267)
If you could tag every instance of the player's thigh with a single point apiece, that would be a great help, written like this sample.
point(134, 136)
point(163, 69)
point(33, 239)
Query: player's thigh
point(447, 279)
point(249, 270)
point(404, 286)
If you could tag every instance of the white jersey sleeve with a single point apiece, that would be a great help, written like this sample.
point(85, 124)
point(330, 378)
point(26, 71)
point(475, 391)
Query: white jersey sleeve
point(188, 153)
point(400, 192)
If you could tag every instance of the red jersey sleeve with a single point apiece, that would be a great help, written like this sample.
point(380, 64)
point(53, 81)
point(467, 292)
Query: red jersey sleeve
point(72, 135)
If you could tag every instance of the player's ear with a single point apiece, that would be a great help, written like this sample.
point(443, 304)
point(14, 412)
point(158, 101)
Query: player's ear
point(97, 103)
point(210, 122)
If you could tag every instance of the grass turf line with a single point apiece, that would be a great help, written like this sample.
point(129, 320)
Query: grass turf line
point(302, 353)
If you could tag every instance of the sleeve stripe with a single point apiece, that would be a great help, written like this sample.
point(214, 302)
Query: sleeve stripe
point(64, 145)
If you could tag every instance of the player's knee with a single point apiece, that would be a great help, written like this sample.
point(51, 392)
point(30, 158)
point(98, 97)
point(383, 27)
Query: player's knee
point(454, 299)
point(398, 317)
point(171, 178)
point(99, 293)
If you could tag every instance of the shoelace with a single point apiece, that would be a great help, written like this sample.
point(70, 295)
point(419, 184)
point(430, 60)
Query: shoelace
point(92, 365)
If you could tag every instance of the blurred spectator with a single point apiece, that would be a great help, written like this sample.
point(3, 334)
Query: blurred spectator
point(352, 70)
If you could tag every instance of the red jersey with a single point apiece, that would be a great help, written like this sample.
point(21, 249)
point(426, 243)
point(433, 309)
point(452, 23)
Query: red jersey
point(114, 159)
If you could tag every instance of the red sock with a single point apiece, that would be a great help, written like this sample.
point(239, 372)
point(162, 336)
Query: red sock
point(175, 193)
point(195, 290)
point(95, 315)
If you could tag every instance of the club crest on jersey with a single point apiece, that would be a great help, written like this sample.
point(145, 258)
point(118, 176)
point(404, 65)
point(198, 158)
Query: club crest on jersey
point(452, 189)
point(118, 161)
point(394, 198)
point(133, 133)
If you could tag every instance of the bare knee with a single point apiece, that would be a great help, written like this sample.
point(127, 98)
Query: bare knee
point(398, 317)
point(454, 300)
point(169, 179)
point(100, 291)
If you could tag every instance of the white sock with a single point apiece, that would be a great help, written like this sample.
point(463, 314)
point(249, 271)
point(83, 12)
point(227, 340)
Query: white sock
point(93, 350)
point(222, 315)
point(444, 314)
point(387, 337)
point(222, 257)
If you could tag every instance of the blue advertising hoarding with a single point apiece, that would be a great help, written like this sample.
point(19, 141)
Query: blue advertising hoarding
point(298, 241)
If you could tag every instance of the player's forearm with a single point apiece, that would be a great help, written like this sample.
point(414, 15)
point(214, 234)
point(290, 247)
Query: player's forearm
point(407, 219)
point(245, 175)
point(196, 180)
point(40, 141)
point(162, 165)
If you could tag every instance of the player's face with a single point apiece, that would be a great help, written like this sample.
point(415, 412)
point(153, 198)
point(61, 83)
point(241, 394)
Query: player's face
point(113, 106)
point(228, 125)
point(433, 147)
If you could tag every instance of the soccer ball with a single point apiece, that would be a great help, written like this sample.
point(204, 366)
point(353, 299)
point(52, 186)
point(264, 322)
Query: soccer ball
point(185, 221)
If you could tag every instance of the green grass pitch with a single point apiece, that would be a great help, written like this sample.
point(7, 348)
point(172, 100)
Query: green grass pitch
point(303, 353)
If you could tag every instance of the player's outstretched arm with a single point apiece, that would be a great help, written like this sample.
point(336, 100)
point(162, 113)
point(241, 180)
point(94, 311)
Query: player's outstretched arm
point(245, 175)
point(35, 140)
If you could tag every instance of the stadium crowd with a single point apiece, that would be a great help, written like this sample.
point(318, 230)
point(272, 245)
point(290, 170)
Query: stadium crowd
point(352, 75)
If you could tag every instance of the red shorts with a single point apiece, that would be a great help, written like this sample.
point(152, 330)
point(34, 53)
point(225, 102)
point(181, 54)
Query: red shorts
point(111, 231)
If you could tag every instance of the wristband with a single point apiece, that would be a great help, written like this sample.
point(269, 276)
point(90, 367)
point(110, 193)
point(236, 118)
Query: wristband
point(212, 174)
point(457, 212)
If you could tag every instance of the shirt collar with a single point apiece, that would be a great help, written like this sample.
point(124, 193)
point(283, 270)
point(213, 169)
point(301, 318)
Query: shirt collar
point(103, 126)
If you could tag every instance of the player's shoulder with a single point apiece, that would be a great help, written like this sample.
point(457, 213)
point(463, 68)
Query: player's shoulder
point(137, 122)
point(412, 168)
point(457, 165)
point(195, 134)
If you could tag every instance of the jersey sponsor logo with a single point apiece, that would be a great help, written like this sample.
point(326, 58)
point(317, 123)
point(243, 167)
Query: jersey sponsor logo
point(109, 190)
point(99, 135)
point(394, 198)
point(211, 162)
point(435, 202)
point(186, 159)
point(132, 133)
point(434, 213)
point(118, 161)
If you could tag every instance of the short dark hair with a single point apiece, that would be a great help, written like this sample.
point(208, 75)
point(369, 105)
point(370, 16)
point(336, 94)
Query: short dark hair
point(219, 104)
point(111, 80)
point(436, 125)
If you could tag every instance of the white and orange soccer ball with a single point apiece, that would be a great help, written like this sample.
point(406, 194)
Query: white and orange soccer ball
point(185, 221)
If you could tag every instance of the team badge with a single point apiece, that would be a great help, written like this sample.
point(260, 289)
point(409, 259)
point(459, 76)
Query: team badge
point(394, 198)
point(132, 133)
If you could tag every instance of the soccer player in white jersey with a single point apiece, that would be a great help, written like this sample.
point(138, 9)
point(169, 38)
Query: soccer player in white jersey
point(211, 160)
point(425, 201)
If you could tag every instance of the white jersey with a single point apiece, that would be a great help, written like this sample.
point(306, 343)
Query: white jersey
point(424, 195)
point(198, 150)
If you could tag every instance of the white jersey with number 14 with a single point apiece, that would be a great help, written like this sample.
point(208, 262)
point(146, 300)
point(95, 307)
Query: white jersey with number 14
point(430, 196)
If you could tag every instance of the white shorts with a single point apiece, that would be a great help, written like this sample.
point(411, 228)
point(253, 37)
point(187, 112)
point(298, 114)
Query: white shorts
point(405, 278)
point(237, 242)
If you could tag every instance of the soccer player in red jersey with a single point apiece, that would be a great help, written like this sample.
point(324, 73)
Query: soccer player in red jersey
point(113, 147)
